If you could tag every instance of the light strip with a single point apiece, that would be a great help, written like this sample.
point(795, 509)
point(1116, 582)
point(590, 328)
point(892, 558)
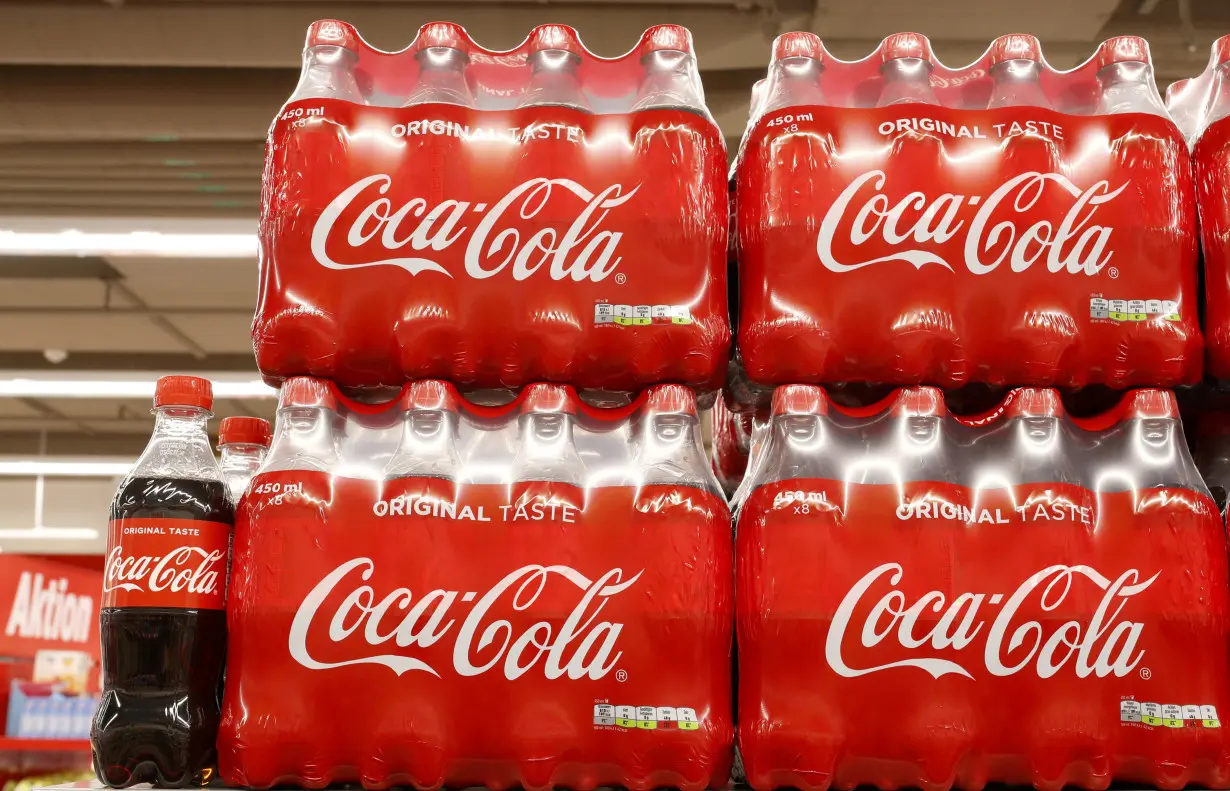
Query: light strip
point(54, 533)
point(134, 243)
point(21, 386)
point(55, 468)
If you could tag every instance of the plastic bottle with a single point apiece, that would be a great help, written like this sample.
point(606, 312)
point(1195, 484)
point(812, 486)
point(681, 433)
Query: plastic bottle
point(164, 645)
point(906, 70)
point(921, 448)
point(670, 79)
point(546, 448)
point(1219, 99)
point(442, 64)
point(328, 64)
point(1125, 75)
point(1015, 71)
point(670, 450)
point(428, 445)
point(305, 432)
point(555, 61)
point(242, 445)
point(798, 62)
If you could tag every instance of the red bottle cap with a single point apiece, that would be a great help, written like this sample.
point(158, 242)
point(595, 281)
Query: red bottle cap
point(906, 45)
point(304, 391)
point(431, 394)
point(1150, 403)
point(1123, 49)
point(545, 397)
point(666, 38)
point(1221, 50)
point(332, 33)
point(555, 37)
point(1018, 46)
point(919, 402)
point(184, 391)
point(800, 400)
point(798, 45)
point(671, 398)
point(1033, 402)
point(244, 431)
point(441, 34)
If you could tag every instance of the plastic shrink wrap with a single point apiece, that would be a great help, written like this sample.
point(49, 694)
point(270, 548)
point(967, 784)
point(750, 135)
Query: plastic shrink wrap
point(904, 222)
point(1017, 597)
point(429, 592)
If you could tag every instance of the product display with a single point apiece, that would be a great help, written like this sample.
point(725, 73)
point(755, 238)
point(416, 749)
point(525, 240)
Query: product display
point(495, 218)
point(904, 222)
point(1018, 597)
point(163, 616)
point(242, 445)
point(431, 591)
point(1200, 107)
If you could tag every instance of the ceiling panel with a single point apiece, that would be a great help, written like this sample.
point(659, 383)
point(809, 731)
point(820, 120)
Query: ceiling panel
point(85, 333)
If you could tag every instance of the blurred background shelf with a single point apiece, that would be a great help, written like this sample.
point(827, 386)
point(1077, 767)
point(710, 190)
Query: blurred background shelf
point(43, 745)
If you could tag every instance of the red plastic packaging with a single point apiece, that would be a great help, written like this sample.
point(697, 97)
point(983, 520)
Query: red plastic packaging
point(579, 239)
point(430, 592)
point(1018, 597)
point(1201, 106)
point(903, 222)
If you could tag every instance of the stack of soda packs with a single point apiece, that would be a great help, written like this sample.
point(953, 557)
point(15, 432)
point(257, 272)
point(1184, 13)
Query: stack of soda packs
point(486, 547)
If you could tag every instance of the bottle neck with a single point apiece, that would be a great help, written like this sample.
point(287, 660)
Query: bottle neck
point(547, 451)
point(303, 438)
point(906, 80)
point(241, 455)
point(796, 83)
point(179, 446)
point(1017, 84)
point(667, 82)
point(1128, 88)
point(328, 73)
point(553, 80)
point(442, 77)
point(1219, 104)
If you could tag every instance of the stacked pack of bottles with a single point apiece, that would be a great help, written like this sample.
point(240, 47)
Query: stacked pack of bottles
point(495, 218)
point(901, 221)
point(937, 600)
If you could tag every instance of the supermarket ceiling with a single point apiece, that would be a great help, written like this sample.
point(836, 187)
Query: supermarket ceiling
point(151, 114)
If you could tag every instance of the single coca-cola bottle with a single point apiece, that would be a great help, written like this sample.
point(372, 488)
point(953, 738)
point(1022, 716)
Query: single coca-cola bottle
point(797, 66)
point(1015, 73)
point(670, 450)
point(1125, 75)
point(670, 79)
point(442, 64)
point(163, 615)
point(547, 449)
point(328, 64)
point(906, 70)
point(242, 445)
point(555, 62)
point(305, 432)
point(428, 445)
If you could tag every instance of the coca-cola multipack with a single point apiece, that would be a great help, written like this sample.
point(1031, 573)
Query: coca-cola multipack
point(1200, 106)
point(901, 221)
point(1018, 596)
point(495, 218)
point(433, 592)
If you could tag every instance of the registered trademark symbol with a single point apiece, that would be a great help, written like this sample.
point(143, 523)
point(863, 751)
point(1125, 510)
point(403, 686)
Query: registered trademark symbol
point(1113, 272)
point(621, 278)
point(621, 675)
point(1146, 673)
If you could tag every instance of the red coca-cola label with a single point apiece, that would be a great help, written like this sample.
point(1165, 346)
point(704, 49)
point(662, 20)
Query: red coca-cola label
point(493, 248)
point(922, 244)
point(417, 632)
point(176, 563)
point(930, 635)
point(1212, 157)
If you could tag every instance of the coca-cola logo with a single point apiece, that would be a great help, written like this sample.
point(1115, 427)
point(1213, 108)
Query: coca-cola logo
point(575, 247)
point(1003, 227)
point(365, 628)
point(1105, 645)
point(185, 569)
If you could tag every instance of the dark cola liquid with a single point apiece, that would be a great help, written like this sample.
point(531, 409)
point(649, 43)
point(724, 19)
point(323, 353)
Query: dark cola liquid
point(162, 668)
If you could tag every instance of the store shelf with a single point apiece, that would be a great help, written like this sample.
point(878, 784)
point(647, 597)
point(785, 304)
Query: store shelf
point(43, 745)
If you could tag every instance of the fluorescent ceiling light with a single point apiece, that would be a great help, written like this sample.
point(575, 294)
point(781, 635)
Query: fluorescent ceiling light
point(53, 533)
point(22, 385)
point(100, 467)
point(133, 243)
